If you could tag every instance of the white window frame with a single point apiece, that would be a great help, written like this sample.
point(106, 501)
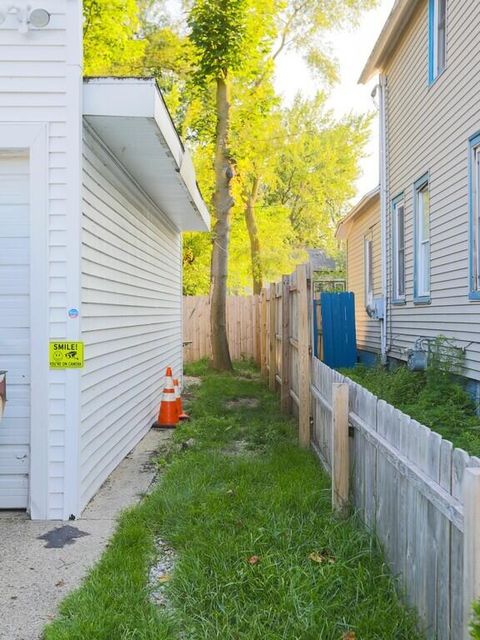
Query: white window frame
point(422, 244)
point(368, 268)
point(474, 161)
point(438, 37)
point(399, 285)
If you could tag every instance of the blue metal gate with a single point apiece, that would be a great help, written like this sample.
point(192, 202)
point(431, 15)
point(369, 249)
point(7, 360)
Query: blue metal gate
point(339, 344)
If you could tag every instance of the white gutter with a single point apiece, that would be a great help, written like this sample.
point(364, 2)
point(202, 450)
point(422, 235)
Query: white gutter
point(382, 86)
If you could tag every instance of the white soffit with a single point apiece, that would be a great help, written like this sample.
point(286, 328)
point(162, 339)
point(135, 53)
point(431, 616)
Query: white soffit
point(131, 118)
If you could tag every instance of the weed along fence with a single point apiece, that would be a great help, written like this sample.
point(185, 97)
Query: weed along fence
point(419, 494)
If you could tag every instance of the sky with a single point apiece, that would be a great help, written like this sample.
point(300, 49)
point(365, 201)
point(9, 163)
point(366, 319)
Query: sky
point(351, 50)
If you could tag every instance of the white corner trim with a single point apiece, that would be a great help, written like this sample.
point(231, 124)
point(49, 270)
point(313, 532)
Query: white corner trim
point(33, 139)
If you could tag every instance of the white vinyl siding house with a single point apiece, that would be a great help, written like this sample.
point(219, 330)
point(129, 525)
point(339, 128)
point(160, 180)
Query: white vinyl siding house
point(430, 128)
point(131, 310)
point(95, 190)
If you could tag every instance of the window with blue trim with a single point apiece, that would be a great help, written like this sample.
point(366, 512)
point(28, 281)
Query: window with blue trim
point(437, 38)
point(422, 241)
point(398, 249)
point(474, 197)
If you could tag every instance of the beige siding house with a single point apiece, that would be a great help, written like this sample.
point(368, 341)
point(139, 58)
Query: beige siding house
point(428, 62)
point(360, 233)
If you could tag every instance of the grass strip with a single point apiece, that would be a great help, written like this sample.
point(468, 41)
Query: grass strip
point(260, 557)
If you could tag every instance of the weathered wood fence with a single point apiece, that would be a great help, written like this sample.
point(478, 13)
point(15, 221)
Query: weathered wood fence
point(243, 326)
point(418, 494)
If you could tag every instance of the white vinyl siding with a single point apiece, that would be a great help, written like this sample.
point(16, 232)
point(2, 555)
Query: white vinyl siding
point(429, 128)
point(15, 329)
point(40, 82)
point(131, 315)
point(365, 224)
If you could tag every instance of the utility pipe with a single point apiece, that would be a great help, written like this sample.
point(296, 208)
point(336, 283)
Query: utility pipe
point(383, 213)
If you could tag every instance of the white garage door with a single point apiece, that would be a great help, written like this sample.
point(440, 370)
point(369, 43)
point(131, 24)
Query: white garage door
point(15, 329)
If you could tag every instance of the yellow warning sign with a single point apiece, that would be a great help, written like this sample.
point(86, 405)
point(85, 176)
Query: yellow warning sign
point(66, 355)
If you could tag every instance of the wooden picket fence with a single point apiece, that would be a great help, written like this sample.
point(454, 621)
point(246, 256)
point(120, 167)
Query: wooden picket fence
point(418, 494)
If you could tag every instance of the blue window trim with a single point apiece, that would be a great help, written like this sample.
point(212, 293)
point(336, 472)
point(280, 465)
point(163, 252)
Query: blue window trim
point(417, 186)
point(474, 293)
point(401, 196)
point(431, 39)
point(432, 78)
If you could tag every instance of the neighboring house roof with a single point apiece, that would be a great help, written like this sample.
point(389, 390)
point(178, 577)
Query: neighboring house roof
point(389, 37)
point(368, 200)
point(131, 118)
point(320, 261)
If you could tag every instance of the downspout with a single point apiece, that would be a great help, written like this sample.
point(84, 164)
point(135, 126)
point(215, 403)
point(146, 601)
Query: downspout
point(383, 214)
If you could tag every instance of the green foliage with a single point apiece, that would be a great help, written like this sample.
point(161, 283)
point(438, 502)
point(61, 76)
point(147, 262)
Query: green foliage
point(223, 37)
point(435, 398)
point(305, 160)
point(109, 30)
point(218, 504)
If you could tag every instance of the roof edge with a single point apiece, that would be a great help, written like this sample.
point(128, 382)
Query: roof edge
point(344, 224)
point(390, 35)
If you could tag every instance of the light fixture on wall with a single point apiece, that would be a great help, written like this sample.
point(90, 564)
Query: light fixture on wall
point(38, 18)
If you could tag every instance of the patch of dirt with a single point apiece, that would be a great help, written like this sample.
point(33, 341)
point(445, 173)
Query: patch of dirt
point(191, 381)
point(160, 573)
point(239, 448)
point(243, 403)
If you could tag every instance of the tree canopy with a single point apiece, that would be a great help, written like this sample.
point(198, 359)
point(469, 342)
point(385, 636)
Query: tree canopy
point(293, 166)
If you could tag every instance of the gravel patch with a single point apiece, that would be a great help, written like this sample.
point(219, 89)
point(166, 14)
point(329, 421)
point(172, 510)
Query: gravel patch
point(160, 573)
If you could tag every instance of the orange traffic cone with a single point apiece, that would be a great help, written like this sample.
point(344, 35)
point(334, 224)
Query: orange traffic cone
point(168, 414)
point(181, 414)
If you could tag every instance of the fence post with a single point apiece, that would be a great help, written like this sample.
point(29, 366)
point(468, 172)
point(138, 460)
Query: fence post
point(273, 339)
point(263, 333)
point(471, 545)
point(303, 358)
point(286, 401)
point(340, 449)
point(258, 331)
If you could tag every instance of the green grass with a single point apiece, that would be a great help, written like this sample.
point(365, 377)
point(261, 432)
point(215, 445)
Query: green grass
point(218, 510)
point(435, 398)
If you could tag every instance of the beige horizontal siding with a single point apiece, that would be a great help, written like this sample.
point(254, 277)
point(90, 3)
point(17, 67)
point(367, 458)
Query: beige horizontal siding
point(428, 131)
point(365, 224)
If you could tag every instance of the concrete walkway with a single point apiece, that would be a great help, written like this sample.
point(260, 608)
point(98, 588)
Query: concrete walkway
point(41, 562)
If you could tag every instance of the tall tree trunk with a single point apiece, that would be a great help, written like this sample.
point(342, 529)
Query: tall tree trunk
point(255, 253)
point(222, 203)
